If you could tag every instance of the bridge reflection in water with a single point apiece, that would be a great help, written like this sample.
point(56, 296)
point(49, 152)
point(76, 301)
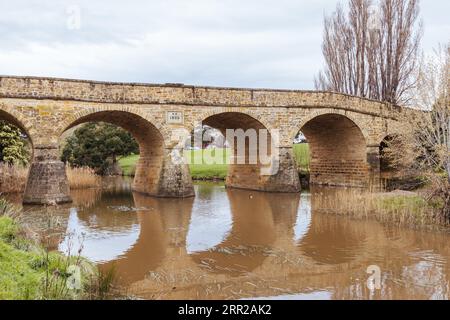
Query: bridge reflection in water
point(246, 244)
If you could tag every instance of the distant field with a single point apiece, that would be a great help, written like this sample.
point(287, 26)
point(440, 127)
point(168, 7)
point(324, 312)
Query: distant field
point(128, 164)
point(202, 163)
point(301, 155)
point(203, 166)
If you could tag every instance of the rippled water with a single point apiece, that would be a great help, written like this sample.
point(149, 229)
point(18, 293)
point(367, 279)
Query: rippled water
point(226, 244)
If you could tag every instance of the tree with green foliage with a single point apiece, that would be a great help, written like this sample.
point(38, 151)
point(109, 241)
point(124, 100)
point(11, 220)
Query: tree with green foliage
point(13, 145)
point(97, 145)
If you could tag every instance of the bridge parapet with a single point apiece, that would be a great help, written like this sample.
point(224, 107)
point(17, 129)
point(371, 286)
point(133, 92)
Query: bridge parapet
point(138, 93)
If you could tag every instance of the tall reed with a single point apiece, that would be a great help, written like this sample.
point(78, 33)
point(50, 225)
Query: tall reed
point(84, 177)
point(399, 208)
point(12, 178)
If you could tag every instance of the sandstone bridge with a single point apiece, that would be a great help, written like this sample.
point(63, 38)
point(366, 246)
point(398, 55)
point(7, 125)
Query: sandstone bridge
point(344, 132)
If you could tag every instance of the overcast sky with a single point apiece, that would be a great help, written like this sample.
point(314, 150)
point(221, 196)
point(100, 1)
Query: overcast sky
point(241, 43)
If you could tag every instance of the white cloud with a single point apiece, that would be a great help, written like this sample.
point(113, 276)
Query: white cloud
point(225, 43)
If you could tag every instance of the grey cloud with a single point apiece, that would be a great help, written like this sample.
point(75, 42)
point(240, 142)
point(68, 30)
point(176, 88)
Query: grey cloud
point(231, 43)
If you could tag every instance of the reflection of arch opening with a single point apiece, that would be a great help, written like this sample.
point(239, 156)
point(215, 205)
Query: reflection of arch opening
point(337, 151)
point(151, 146)
point(330, 239)
point(243, 172)
point(252, 231)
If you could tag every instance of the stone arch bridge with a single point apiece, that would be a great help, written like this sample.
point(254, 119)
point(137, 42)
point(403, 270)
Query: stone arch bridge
point(344, 132)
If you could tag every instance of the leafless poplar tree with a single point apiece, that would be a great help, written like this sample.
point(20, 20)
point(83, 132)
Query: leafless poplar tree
point(423, 138)
point(371, 51)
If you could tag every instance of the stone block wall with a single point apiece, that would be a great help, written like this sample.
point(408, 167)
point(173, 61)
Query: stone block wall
point(47, 181)
point(344, 131)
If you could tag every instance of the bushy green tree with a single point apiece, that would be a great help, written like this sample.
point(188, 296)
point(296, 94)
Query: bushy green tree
point(97, 145)
point(13, 144)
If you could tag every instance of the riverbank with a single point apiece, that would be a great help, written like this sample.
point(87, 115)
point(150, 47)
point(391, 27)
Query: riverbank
point(29, 271)
point(286, 222)
point(401, 208)
point(203, 164)
point(228, 242)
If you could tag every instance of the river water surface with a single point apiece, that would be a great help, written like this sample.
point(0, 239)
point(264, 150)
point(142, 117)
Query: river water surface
point(235, 244)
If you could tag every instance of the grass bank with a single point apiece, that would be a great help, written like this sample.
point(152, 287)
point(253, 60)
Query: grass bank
point(203, 164)
point(301, 156)
point(128, 164)
point(29, 271)
point(208, 164)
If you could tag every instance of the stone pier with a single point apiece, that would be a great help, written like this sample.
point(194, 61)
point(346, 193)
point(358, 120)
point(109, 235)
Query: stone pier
point(285, 178)
point(47, 180)
point(176, 181)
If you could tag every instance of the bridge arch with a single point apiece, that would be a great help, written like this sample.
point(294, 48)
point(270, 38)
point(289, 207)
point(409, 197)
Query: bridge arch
point(18, 119)
point(255, 167)
point(84, 113)
point(244, 112)
point(9, 178)
point(314, 114)
point(338, 149)
point(152, 168)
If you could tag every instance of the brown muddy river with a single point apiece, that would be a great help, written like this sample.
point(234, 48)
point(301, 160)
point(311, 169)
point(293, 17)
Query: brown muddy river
point(235, 244)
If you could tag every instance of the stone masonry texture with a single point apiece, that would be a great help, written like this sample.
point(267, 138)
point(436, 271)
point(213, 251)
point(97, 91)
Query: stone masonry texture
point(344, 132)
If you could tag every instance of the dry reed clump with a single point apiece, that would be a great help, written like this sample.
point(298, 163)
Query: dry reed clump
point(12, 178)
point(84, 177)
point(400, 208)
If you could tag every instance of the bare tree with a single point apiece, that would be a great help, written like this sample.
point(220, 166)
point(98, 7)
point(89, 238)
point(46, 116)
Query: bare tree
point(423, 138)
point(372, 50)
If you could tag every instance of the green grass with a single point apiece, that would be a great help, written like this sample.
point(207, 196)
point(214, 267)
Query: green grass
point(409, 210)
point(395, 202)
point(22, 272)
point(208, 164)
point(28, 271)
point(203, 166)
point(301, 156)
point(128, 164)
point(18, 279)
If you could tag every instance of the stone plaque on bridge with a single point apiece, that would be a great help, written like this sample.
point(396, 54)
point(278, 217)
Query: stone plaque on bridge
point(174, 117)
